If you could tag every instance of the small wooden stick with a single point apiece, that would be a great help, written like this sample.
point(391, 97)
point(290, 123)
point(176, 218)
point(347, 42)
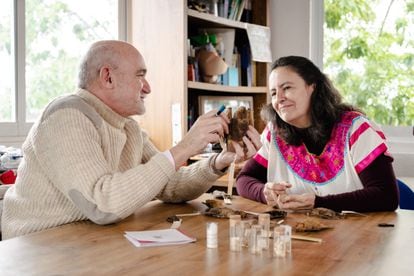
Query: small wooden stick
point(231, 179)
point(189, 214)
point(223, 143)
point(306, 238)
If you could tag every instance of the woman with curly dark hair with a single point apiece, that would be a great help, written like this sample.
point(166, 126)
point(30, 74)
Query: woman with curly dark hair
point(317, 151)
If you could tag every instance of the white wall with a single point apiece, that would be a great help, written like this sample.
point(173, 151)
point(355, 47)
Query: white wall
point(290, 27)
point(12, 141)
point(401, 146)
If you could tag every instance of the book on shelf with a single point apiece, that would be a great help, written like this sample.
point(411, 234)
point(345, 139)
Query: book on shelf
point(247, 12)
point(226, 8)
point(240, 9)
point(253, 72)
point(235, 9)
point(245, 64)
point(231, 77)
point(232, 9)
point(220, 4)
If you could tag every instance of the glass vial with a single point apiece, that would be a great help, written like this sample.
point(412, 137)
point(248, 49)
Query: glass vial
point(245, 232)
point(288, 238)
point(235, 232)
point(264, 222)
point(254, 237)
point(282, 244)
point(211, 234)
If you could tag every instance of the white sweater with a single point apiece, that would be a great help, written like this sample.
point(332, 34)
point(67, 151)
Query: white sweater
point(84, 161)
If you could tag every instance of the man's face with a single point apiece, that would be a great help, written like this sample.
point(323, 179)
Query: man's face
point(131, 86)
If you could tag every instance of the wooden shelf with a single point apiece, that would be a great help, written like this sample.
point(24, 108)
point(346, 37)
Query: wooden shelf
point(224, 88)
point(216, 20)
point(161, 32)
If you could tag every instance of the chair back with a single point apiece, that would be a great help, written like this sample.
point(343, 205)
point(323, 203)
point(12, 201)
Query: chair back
point(406, 196)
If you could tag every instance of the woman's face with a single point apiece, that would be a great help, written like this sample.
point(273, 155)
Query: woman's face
point(291, 97)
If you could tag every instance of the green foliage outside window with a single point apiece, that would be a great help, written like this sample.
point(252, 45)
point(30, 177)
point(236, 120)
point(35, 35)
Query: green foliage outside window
point(51, 71)
point(370, 58)
point(57, 32)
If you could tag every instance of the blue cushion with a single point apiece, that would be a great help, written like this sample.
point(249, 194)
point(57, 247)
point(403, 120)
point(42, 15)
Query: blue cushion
point(406, 196)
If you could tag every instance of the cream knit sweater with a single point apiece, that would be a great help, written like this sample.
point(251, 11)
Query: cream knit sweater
point(84, 161)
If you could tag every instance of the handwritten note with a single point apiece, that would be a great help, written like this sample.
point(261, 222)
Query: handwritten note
point(259, 38)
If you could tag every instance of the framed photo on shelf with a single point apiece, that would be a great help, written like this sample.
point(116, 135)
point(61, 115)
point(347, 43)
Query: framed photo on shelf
point(207, 103)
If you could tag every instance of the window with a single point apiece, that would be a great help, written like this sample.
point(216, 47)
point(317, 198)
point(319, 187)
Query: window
point(369, 55)
point(7, 105)
point(42, 42)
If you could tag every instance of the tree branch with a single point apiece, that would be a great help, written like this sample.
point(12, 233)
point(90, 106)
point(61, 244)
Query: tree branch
point(385, 17)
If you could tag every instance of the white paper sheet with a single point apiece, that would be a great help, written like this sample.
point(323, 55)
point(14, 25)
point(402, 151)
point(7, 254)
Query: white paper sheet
point(157, 237)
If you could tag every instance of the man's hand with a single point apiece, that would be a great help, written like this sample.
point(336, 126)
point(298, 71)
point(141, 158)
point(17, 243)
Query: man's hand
point(207, 129)
point(252, 143)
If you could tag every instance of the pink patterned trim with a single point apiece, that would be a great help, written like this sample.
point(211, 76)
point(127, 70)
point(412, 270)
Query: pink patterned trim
point(268, 135)
point(381, 134)
point(354, 137)
point(261, 160)
point(370, 157)
point(326, 166)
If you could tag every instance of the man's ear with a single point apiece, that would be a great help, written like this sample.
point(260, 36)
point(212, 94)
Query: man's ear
point(105, 77)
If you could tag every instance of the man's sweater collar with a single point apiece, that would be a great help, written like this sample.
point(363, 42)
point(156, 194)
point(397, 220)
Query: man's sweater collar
point(105, 111)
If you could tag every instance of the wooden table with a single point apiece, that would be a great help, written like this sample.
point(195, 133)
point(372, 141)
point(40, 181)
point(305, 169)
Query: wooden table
point(355, 246)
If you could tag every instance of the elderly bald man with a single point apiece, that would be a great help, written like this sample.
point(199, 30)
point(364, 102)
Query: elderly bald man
point(86, 159)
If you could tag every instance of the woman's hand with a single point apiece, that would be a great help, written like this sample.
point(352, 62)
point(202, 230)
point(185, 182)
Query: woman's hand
point(273, 190)
point(296, 202)
point(252, 143)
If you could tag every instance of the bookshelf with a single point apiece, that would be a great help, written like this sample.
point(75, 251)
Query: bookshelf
point(159, 29)
point(225, 88)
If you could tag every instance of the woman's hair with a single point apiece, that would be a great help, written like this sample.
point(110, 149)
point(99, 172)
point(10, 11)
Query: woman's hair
point(326, 103)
